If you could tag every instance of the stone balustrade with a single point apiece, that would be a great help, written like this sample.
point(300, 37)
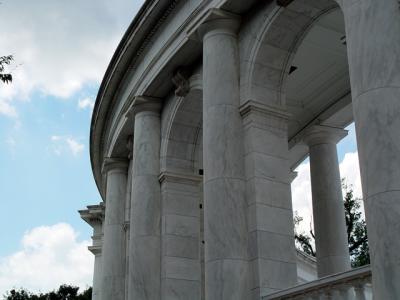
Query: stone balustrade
point(354, 284)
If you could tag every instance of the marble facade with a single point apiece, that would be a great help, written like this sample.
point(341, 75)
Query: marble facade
point(204, 112)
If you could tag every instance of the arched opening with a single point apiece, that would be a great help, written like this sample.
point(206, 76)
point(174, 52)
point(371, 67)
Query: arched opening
point(299, 65)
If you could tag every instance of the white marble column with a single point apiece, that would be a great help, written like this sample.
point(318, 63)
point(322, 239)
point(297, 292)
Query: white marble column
point(94, 216)
point(328, 208)
point(113, 283)
point(97, 274)
point(128, 198)
point(145, 252)
point(225, 207)
point(373, 42)
point(180, 261)
point(268, 177)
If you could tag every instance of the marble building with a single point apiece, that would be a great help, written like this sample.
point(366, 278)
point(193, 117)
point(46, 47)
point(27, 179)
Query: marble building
point(204, 112)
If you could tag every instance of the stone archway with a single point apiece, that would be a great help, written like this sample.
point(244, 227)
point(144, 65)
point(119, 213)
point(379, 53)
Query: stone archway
point(266, 64)
point(182, 252)
point(182, 129)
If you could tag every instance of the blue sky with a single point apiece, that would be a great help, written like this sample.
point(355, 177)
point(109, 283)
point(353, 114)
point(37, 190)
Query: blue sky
point(61, 51)
point(42, 180)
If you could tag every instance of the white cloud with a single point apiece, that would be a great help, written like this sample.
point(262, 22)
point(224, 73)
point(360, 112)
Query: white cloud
point(86, 103)
point(62, 144)
point(350, 170)
point(301, 196)
point(7, 109)
point(49, 256)
point(55, 137)
point(59, 46)
point(301, 186)
point(75, 146)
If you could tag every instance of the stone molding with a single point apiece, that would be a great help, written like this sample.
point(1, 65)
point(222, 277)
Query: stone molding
point(144, 103)
point(253, 106)
point(325, 284)
point(319, 134)
point(110, 164)
point(214, 20)
point(271, 118)
point(179, 178)
point(94, 214)
point(96, 250)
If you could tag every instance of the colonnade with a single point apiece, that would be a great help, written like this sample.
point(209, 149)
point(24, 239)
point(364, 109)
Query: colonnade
point(248, 228)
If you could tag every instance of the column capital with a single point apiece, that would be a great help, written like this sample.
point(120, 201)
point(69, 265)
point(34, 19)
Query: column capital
point(318, 134)
point(114, 164)
point(94, 214)
point(215, 20)
point(144, 103)
point(96, 250)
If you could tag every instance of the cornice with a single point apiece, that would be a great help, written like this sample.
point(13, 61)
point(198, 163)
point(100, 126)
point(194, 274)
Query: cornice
point(128, 54)
point(94, 214)
point(113, 76)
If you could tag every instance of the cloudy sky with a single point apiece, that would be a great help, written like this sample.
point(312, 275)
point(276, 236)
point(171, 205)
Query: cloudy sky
point(61, 50)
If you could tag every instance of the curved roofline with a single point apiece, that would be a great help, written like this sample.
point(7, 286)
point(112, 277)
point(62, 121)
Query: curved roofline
point(111, 78)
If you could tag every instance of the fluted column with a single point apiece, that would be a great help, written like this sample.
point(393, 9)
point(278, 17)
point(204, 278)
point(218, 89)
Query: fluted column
point(225, 222)
point(328, 208)
point(113, 257)
point(373, 42)
point(145, 253)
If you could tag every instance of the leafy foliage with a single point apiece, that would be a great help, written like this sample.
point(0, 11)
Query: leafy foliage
point(64, 292)
point(303, 241)
point(4, 61)
point(356, 231)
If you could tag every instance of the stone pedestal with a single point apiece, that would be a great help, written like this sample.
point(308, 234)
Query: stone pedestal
point(328, 208)
point(144, 260)
point(271, 244)
point(225, 220)
point(113, 257)
point(373, 41)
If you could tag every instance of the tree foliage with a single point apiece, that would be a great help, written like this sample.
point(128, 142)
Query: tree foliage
point(356, 231)
point(64, 292)
point(4, 61)
point(303, 241)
